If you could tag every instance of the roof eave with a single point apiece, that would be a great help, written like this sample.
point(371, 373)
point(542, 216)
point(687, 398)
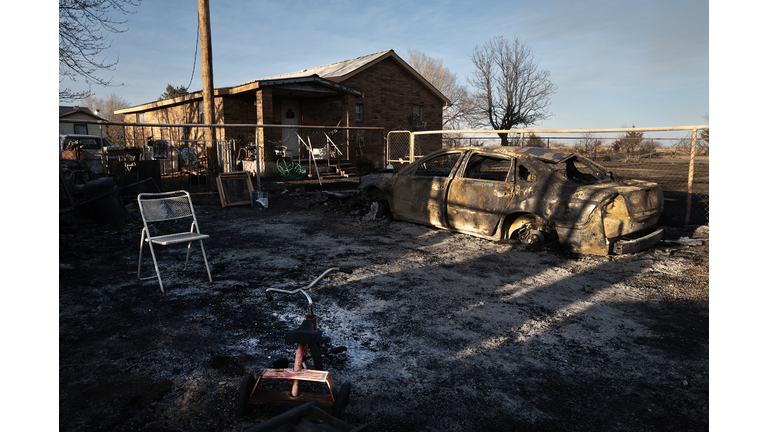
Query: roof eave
point(165, 102)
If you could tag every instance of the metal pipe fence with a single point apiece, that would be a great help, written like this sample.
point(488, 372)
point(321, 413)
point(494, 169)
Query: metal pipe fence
point(190, 156)
point(680, 165)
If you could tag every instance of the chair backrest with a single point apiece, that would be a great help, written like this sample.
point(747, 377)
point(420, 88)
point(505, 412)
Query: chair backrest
point(164, 206)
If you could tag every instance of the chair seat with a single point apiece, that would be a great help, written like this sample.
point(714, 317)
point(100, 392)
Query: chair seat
point(178, 238)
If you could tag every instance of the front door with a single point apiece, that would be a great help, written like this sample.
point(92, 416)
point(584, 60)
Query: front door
point(419, 194)
point(291, 115)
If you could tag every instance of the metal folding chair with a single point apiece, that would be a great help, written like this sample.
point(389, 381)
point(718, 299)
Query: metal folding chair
point(162, 214)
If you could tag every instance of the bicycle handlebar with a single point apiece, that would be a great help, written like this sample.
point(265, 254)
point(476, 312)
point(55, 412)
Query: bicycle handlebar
point(269, 291)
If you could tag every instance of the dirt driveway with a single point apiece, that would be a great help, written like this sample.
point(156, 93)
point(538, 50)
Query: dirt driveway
point(445, 332)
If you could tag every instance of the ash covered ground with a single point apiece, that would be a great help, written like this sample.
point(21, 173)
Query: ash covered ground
point(443, 331)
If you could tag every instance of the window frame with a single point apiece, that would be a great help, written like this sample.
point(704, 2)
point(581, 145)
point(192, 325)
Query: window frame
point(420, 170)
point(505, 160)
point(81, 129)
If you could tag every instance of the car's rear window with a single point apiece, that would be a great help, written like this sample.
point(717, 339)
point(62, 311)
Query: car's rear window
point(578, 171)
point(83, 143)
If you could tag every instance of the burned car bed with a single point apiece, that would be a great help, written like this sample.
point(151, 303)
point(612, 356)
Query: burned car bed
point(91, 150)
point(535, 195)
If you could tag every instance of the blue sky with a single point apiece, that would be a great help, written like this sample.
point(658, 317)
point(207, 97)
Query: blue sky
point(615, 63)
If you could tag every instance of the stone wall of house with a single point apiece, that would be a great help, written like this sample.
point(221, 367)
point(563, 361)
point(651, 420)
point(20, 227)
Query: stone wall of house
point(390, 94)
point(239, 109)
point(322, 113)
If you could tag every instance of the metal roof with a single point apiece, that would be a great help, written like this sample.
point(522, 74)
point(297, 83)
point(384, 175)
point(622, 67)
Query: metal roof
point(333, 70)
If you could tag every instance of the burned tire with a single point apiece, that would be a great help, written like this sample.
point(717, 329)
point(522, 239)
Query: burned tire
point(379, 209)
point(531, 231)
point(342, 400)
point(246, 388)
point(532, 237)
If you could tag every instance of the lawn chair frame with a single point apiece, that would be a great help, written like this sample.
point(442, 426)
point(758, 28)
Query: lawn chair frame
point(167, 206)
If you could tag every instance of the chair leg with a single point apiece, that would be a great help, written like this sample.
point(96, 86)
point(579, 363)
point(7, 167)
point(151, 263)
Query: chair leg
point(157, 270)
point(189, 248)
point(210, 279)
point(141, 249)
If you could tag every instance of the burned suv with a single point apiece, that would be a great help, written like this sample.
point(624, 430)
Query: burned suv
point(535, 195)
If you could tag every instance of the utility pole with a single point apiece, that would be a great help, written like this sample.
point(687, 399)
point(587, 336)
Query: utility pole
point(206, 63)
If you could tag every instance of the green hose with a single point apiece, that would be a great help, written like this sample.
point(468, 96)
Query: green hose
point(292, 171)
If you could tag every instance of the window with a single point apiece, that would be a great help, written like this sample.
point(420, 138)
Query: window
point(415, 118)
point(523, 173)
point(358, 112)
point(580, 172)
point(487, 168)
point(81, 129)
point(141, 117)
point(438, 166)
point(200, 112)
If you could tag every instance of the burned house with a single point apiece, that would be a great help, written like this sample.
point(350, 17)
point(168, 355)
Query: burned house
point(376, 90)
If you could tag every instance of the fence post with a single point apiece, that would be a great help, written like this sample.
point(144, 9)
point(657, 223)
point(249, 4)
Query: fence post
point(386, 152)
point(412, 143)
point(650, 155)
point(690, 177)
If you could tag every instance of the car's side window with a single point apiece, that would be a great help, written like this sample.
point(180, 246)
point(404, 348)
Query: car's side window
point(438, 166)
point(524, 173)
point(487, 168)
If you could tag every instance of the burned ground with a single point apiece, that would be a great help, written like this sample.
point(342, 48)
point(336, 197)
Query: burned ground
point(444, 331)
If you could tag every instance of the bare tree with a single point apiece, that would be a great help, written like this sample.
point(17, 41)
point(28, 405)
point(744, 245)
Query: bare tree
point(82, 28)
point(591, 143)
point(106, 106)
point(704, 133)
point(511, 90)
point(433, 70)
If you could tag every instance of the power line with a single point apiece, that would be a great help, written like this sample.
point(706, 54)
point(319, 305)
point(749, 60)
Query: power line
point(197, 42)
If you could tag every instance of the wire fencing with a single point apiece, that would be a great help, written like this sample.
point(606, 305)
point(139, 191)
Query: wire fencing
point(162, 157)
